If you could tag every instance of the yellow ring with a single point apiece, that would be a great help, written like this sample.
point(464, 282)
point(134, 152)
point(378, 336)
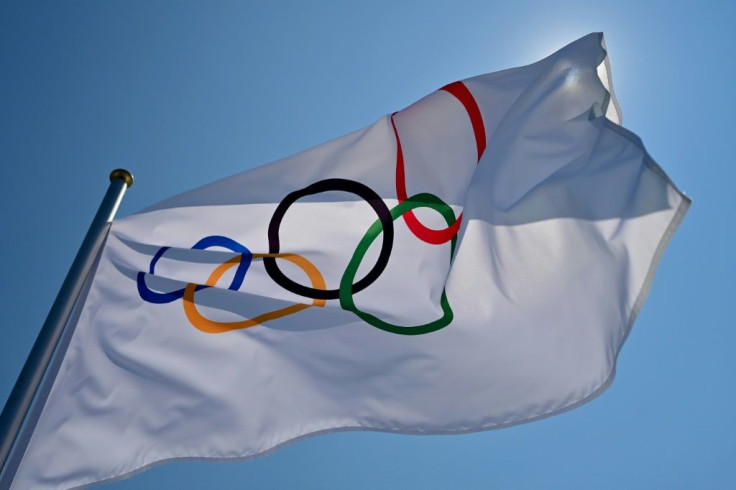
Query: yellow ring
point(210, 326)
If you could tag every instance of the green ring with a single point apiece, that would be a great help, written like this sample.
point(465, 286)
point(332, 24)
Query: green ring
point(422, 200)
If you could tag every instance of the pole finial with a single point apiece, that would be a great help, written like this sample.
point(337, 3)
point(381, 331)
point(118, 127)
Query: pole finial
point(122, 174)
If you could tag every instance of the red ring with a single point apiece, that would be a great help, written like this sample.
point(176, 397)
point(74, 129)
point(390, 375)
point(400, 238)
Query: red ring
point(429, 235)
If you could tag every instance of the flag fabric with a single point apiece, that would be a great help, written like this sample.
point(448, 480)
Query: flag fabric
point(471, 262)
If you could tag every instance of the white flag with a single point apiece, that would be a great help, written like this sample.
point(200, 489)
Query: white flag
point(471, 262)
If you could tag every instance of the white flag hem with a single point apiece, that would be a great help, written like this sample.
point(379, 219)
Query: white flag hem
point(666, 237)
point(358, 428)
point(605, 73)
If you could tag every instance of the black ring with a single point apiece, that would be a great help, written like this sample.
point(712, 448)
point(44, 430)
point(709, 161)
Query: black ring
point(360, 190)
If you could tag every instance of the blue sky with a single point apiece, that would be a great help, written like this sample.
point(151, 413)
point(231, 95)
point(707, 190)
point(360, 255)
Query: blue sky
point(183, 93)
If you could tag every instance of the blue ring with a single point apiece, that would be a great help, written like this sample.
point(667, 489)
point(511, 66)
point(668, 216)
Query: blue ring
point(205, 243)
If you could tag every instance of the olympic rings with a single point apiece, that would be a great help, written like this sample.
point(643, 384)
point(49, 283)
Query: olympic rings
point(317, 291)
point(210, 326)
point(345, 185)
point(423, 200)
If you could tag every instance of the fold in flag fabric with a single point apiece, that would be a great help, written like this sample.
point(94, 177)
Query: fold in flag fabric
point(471, 262)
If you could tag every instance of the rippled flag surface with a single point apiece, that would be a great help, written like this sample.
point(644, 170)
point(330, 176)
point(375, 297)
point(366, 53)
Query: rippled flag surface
point(471, 262)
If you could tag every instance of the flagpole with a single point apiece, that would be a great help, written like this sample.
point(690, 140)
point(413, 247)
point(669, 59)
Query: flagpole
point(29, 379)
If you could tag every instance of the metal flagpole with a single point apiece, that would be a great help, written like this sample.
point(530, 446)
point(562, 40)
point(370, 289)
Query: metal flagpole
point(19, 401)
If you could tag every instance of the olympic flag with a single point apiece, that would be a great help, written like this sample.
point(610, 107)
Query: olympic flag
point(471, 262)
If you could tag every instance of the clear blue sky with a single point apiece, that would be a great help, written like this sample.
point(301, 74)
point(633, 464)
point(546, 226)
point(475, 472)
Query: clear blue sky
point(183, 93)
